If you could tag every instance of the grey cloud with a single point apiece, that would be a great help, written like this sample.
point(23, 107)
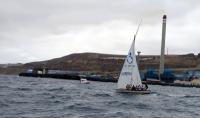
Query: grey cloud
point(27, 23)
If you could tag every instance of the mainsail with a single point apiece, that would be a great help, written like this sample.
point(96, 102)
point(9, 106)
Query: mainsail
point(130, 73)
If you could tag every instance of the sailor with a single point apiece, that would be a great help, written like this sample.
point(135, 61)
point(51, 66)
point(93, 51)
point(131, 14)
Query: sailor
point(128, 86)
point(133, 88)
point(146, 86)
point(138, 88)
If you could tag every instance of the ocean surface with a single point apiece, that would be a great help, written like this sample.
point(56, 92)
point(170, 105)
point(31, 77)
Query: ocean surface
point(55, 98)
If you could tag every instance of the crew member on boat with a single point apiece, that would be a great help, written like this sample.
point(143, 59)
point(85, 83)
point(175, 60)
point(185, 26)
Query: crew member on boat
point(137, 88)
point(128, 87)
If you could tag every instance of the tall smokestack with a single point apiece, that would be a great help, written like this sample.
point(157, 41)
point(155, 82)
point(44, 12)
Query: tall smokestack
point(162, 55)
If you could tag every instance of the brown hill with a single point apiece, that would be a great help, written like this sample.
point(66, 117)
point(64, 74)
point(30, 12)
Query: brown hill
point(82, 62)
point(105, 63)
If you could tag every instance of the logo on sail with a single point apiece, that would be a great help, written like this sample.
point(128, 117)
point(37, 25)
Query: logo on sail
point(130, 58)
point(127, 73)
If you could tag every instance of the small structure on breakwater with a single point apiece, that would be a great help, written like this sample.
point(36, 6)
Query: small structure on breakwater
point(38, 70)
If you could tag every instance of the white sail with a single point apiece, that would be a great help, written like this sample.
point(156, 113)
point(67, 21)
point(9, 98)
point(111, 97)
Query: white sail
point(129, 73)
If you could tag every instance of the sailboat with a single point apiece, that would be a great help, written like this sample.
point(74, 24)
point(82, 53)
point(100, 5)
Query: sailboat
point(129, 80)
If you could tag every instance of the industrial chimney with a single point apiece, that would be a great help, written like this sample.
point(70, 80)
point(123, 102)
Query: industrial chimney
point(162, 55)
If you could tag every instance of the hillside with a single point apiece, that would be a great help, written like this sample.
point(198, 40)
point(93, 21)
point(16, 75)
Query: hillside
point(105, 63)
point(82, 62)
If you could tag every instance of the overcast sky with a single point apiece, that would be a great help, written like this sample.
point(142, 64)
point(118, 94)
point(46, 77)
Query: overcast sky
point(34, 30)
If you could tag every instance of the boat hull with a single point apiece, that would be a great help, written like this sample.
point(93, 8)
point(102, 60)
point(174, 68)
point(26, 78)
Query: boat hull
point(84, 81)
point(133, 92)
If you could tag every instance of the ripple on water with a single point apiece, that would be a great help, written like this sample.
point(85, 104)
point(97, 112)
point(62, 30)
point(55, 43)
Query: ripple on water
point(3, 104)
point(101, 95)
point(56, 89)
point(84, 108)
point(24, 89)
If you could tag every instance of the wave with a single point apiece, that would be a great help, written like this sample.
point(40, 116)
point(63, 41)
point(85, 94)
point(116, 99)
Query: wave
point(183, 95)
point(24, 89)
point(2, 86)
point(3, 104)
point(58, 101)
point(102, 95)
point(56, 89)
point(84, 107)
point(191, 96)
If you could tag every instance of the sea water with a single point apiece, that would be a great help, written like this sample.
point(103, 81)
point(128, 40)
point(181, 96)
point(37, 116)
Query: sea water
point(45, 98)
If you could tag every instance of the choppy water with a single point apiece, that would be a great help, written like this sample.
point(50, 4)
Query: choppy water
point(40, 97)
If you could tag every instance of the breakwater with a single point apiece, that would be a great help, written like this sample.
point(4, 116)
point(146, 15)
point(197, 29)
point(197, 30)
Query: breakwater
point(56, 76)
point(69, 76)
point(102, 79)
point(173, 84)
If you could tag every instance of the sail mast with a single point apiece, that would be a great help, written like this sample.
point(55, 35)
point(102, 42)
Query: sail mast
point(137, 30)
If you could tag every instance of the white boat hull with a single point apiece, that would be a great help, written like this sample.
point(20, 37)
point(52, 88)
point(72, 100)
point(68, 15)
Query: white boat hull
point(84, 81)
point(133, 92)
